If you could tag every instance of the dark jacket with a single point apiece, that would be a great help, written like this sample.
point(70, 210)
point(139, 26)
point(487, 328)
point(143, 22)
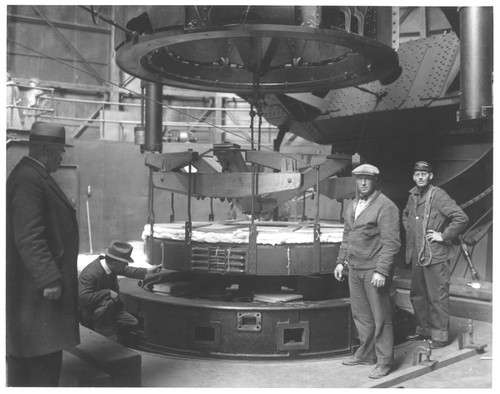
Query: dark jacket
point(42, 246)
point(372, 240)
point(445, 216)
point(94, 285)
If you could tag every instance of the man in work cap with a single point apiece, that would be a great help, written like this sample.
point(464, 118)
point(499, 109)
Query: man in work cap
point(42, 252)
point(431, 217)
point(369, 246)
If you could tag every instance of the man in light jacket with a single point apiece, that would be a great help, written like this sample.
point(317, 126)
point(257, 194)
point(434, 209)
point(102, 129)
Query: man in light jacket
point(369, 246)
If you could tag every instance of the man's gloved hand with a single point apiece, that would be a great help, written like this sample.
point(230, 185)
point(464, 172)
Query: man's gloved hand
point(53, 291)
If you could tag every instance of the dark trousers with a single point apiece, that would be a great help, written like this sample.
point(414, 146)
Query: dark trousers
point(40, 371)
point(429, 295)
point(372, 314)
point(110, 318)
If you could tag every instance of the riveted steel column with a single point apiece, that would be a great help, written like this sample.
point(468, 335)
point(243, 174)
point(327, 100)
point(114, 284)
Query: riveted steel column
point(476, 63)
point(154, 117)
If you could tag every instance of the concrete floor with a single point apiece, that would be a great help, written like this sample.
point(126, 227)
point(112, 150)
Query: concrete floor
point(473, 371)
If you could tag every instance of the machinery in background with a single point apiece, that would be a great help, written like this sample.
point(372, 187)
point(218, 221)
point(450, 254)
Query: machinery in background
point(332, 75)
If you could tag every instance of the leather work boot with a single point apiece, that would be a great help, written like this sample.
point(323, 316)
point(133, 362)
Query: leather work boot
point(380, 371)
point(438, 344)
point(416, 337)
point(356, 361)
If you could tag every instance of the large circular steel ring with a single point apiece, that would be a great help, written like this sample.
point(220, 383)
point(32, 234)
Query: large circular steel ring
point(284, 59)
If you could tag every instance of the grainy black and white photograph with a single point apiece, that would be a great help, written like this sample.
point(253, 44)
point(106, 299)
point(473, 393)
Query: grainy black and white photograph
point(249, 196)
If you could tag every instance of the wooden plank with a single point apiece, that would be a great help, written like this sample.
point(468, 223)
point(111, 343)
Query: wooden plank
point(76, 372)
point(398, 377)
point(171, 161)
point(121, 363)
point(273, 200)
point(274, 160)
point(280, 161)
point(231, 160)
point(227, 184)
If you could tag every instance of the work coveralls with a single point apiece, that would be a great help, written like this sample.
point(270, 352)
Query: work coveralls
point(430, 284)
point(370, 243)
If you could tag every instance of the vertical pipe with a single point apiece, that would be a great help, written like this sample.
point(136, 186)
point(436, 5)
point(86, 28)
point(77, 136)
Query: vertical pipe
point(476, 62)
point(153, 117)
point(310, 16)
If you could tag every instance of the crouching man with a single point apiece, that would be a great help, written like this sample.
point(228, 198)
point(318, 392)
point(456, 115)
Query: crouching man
point(99, 304)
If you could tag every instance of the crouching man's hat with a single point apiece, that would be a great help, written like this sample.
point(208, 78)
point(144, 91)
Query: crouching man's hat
point(119, 250)
point(422, 166)
point(48, 133)
point(366, 169)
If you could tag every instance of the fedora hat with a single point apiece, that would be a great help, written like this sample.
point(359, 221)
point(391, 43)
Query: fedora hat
point(119, 250)
point(48, 133)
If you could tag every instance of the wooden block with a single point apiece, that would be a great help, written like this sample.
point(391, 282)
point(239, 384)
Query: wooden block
point(176, 288)
point(121, 363)
point(78, 373)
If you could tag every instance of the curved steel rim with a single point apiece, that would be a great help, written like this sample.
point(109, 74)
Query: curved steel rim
point(131, 55)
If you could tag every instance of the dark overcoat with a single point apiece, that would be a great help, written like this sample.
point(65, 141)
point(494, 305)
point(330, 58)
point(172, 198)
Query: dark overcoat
point(42, 246)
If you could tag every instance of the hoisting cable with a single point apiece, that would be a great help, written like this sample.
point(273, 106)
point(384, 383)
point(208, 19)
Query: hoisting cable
point(151, 212)
point(252, 114)
point(211, 214)
point(172, 215)
point(107, 20)
point(188, 230)
point(317, 229)
point(164, 106)
point(425, 221)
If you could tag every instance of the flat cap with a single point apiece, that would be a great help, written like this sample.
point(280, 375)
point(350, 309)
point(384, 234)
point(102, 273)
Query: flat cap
point(366, 169)
point(422, 166)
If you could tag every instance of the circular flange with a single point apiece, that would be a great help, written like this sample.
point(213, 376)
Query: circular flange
point(189, 326)
point(233, 58)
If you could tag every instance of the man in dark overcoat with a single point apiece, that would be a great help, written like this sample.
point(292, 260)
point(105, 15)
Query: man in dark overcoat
point(41, 268)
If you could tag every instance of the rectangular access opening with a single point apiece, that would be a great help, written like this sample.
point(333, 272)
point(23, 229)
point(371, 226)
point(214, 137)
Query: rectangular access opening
point(205, 334)
point(248, 320)
point(293, 335)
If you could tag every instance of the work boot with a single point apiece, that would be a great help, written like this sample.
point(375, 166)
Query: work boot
point(438, 344)
point(356, 361)
point(380, 371)
point(415, 336)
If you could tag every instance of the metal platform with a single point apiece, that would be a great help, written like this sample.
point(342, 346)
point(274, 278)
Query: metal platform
point(231, 324)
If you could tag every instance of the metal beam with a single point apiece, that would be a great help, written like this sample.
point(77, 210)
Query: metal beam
point(226, 185)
